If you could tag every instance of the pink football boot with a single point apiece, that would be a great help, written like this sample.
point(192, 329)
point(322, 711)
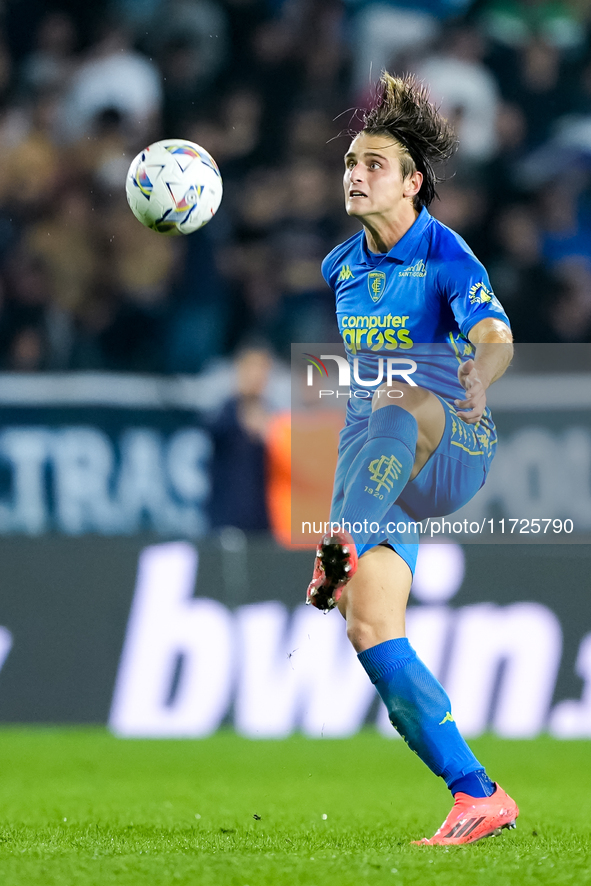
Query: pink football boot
point(473, 818)
point(334, 566)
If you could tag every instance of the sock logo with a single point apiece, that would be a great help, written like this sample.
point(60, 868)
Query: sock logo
point(447, 719)
point(384, 471)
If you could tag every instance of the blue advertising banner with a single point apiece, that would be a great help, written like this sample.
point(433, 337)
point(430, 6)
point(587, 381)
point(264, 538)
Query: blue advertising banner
point(101, 454)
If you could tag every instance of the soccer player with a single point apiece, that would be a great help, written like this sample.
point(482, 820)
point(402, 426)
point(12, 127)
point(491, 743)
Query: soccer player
point(411, 451)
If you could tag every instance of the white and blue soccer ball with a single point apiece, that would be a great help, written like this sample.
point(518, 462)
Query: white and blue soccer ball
point(174, 187)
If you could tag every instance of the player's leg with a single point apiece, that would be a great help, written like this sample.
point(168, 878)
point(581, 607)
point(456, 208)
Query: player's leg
point(376, 462)
point(402, 434)
point(427, 410)
point(374, 602)
point(374, 605)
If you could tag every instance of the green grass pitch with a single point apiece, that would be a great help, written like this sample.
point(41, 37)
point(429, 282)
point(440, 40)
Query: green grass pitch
point(78, 806)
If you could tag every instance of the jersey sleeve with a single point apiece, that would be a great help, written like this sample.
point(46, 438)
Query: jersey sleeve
point(328, 270)
point(467, 288)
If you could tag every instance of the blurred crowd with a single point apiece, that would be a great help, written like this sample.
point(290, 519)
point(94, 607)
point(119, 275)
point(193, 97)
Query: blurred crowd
point(270, 88)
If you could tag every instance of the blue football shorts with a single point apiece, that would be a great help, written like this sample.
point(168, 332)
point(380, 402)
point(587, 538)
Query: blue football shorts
point(451, 477)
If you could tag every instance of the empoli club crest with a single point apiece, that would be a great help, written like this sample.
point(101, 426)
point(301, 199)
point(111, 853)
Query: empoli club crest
point(384, 471)
point(376, 282)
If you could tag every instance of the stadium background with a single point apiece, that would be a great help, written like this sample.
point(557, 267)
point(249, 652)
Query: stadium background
point(145, 385)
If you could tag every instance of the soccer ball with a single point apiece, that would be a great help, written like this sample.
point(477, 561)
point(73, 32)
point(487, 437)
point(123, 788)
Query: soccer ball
point(174, 187)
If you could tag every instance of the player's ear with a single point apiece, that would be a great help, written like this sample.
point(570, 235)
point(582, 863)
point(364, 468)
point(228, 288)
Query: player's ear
point(412, 183)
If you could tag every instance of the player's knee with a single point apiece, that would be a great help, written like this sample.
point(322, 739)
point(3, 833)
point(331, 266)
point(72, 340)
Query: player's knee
point(409, 397)
point(362, 635)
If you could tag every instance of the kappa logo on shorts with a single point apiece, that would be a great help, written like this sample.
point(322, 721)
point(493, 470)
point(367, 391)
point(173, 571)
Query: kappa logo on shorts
point(376, 282)
point(384, 471)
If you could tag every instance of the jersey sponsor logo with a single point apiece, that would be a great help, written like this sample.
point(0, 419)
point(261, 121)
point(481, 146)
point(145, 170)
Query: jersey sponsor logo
point(365, 331)
point(447, 719)
point(480, 295)
point(345, 274)
point(374, 340)
point(418, 270)
point(376, 282)
point(384, 471)
point(370, 321)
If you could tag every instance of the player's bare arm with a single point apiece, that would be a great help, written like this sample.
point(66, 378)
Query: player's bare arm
point(494, 351)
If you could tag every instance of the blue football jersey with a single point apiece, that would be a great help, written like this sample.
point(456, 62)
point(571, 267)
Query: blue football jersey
point(419, 300)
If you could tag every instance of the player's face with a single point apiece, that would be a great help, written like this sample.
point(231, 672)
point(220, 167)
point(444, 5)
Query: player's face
point(373, 176)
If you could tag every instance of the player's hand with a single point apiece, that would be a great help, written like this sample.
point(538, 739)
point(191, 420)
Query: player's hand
point(475, 403)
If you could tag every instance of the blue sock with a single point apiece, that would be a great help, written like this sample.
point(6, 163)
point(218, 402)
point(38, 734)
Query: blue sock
point(381, 469)
point(420, 710)
point(475, 784)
